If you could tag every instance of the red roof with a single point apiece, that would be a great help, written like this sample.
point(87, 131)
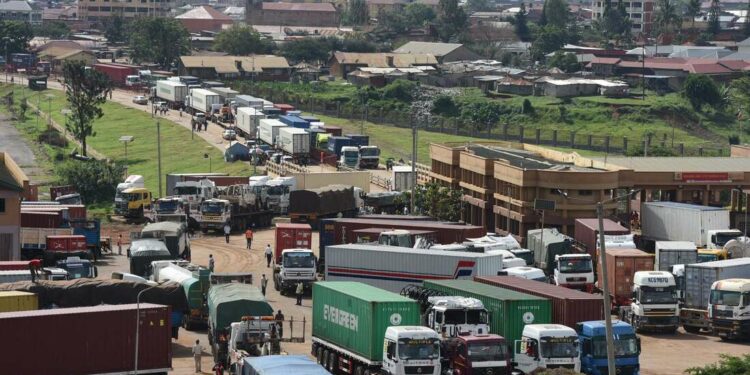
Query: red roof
point(710, 68)
point(300, 7)
point(735, 64)
point(605, 60)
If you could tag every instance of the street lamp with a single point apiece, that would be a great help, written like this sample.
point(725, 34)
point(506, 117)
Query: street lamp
point(207, 156)
point(138, 324)
point(125, 139)
point(744, 231)
point(65, 112)
point(6, 39)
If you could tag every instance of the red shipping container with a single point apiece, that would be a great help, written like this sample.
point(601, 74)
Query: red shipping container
point(76, 211)
point(63, 211)
point(284, 107)
point(291, 236)
point(568, 306)
point(57, 191)
point(66, 243)
point(333, 130)
point(587, 232)
point(445, 233)
point(31, 219)
point(622, 264)
point(95, 340)
point(221, 180)
point(12, 265)
point(117, 73)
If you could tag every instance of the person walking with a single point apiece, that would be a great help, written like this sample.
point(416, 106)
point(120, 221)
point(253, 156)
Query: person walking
point(249, 237)
point(300, 291)
point(211, 263)
point(280, 323)
point(227, 230)
point(119, 244)
point(197, 352)
point(269, 255)
point(263, 284)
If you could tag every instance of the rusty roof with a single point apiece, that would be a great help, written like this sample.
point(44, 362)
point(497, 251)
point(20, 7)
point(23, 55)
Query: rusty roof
point(300, 7)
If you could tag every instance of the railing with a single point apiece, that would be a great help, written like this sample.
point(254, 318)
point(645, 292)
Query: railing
point(383, 182)
point(281, 169)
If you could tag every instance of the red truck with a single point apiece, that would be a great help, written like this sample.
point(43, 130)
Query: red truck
point(291, 236)
point(117, 73)
point(98, 340)
point(477, 355)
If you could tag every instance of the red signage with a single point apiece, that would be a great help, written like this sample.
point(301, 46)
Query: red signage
point(704, 176)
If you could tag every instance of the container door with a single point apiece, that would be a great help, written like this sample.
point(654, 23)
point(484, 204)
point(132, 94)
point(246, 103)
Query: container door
point(623, 277)
point(643, 264)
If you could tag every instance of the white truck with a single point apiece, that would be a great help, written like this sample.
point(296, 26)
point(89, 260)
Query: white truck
point(202, 100)
point(247, 121)
point(369, 157)
point(349, 157)
point(297, 265)
point(173, 92)
point(295, 142)
point(575, 271)
point(705, 226)
point(195, 192)
point(453, 316)
point(247, 101)
point(547, 346)
point(529, 273)
point(671, 253)
point(131, 182)
point(729, 308)
point(654, 305)
point(247, 337)
point(277, 192)
point(268, 131)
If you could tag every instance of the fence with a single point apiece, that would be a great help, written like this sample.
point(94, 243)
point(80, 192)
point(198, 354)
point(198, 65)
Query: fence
point(281, 169)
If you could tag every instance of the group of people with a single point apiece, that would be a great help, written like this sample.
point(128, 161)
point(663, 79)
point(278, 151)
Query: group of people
point(197, 126)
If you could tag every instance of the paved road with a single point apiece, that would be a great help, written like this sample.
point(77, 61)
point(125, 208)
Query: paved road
point(12, 142)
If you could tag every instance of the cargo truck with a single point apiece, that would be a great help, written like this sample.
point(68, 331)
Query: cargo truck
point(174, 235)
point(704, 226)
point(78, 268)
point(622, 264)
point(296, 143)
point(174, 93)
point(225, 94)
point(546, 244)
point(247, 121)
point(268, 131)
point(670, 253)
point(575, 271)
point(248, 101)
point(587, 232)
point(34, 240)
point(133, 203)
point(278, 191)
point(194, 292)
point(476, 355)
point(729, 308)
point(348, 157)
point(143, 252)
point(654, 303)
point(294, 122)
point(363, 330)
point(311, 205)
point(202, 100)
point(694, 314)
point(237, 206)
point(449, 316)
point(117, 73)
point(593, 348)
point(547, 346)
point(279, 365)
point(401, 178)
point(336, 143)
point(293, 259)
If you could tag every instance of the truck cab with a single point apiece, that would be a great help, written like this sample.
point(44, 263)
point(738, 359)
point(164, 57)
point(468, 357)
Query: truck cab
point(529, 273)
point(277, 192)
point(349, 157)
point(133, 203)
point(654, 304)
point(547, 346)
point(593, 348)
point(451, 316)
point(405, 238)
point(195, 192)
point(711, 255)
point(78, 268)
point(717, 238)
point(729, 308)
point(369, 157)
point(411, 350)
point(476, 355)
point(247, 337)
point(215, 213)
point(297, 265)
point(258, 186)
point(171, 209)
point(574, 271)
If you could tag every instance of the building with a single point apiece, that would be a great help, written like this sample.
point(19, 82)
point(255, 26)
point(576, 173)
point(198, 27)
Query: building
point(204, 18)
point(641, 14)
point(13, 185)
point(102, 10)
point(343, 63)
point(443, 52)
point(259, 67)
point(562, 88)
point(19, 10)
point(374, 7)
point(500, 182)
point(57, 56)
point(258, 12)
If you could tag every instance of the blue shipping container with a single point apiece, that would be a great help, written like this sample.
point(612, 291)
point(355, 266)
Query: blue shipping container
point(336, 143)
point(294, 122)
point(359, 140)
point(310, 118)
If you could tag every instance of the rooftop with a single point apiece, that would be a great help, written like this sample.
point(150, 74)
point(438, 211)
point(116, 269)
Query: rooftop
point(437, 49)
point(300, 7)
point(678, 164)
point(522, 158)
point(229, 64)
point(11, 176)
point(381, 60)
point(204, 12)
point(15, 6)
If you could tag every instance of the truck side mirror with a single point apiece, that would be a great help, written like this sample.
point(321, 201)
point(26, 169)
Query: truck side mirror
point(389, 355)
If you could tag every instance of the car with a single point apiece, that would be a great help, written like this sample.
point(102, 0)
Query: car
point(140, 99)
point(229, 134)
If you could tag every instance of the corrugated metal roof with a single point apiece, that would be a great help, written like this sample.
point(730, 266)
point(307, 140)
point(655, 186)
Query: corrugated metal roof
point(204, 12)
point(228, 64)
point(679, 164)
point(15, 6)
point(380, 60)
point(300, 7)
point(437, 49)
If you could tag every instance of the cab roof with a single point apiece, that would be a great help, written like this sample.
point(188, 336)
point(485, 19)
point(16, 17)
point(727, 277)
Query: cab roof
point(663, 278)
point(596, 328)
point(554, 330)
point(732, 285)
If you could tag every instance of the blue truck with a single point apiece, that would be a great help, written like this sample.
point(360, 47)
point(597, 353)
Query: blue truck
point(359, 140)
point(91, 229)
point(593, 348)
point(336, 143)
point(280, 365)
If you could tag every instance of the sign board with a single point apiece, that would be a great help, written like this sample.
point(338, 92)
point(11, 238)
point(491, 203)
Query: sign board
point(544, 204)
point(702, 176)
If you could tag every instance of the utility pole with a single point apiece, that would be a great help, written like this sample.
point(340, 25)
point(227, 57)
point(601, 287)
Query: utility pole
point(605, 290)
point(413, 162)
point(158, 152)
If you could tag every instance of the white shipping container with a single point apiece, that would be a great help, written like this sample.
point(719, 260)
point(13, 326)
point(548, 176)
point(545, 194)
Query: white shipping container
point(247, 121)
point(269, 130)
point(203, 100)
point(171, 91)
point(225, 93)
point(669, 253)
point(248, 101)
point(670, 221)
point(700, 276)
point(402, 178)
point(294, 141)
point(392, 268)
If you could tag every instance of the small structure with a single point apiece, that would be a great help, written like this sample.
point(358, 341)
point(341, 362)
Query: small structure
point(443, 52)
point(323, 14)
point(14, 186)
point(343, 63)
point(515, 86)
point(579, 87)
point(258, 67)
point(236, 151)
point(204, 18)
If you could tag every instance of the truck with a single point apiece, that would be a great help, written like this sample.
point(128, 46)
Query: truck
point(248, 101)
point(311, 205)
point(546, 244)
point(699, 277)
point(294, 122)
point(528, 273)
point(134, 202)
point(348, 157)
point(729, 308)
point(278, 193)
point(622, 264)
point(174, 235)
point(195, 192)
point(587, 232)
point(705, 226)
point(295, 142)
point(401, 178)
point(360, 329)
point(279, 365)
point(78, 268)
point(296, 266)
point(238, 207)
point(476, 355)
point(335, 143)
point(226, 94)
point(547, 346)
point(449, 316)
point(654, 303)
point(238, 318)
point(174, 93)
point(268, 131)
point(575, 271)
point(291, 236)
point(194, 292)
point(48, 273)
point(92, 231)
point(143, 252)
point(117, 73)
point(593, 348)
point(89, 351)
point(173, 209)
point(670, 253)
point(247, 121)
point(202, 100)
point(61, 247)
point(34, 240)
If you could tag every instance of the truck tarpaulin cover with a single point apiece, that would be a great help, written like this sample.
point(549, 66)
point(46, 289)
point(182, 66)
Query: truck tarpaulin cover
point(86, 292)
point(282, 365)
point(326, 200)
point(228, 303)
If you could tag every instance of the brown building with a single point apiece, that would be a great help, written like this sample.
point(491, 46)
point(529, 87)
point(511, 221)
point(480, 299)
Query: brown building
point(204, 18)
point(259, 67)
point(291, 14)
point(343, 63)
point(102, 10)
point(501, 181)
point(57, 56)
point(443, 52)
point(13, 185)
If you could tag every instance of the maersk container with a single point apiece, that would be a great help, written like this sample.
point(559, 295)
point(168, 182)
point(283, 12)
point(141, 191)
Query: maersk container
point(354, 316)
point(18, 301)
point(171, 91)
point(294, 141)
point(509, 311)
point(247, 121)
point(203, 100)
point(228, 303)
point(671, 221)
point(700, 276)
point(269, 130)
point(669, 253)
point(392, 268)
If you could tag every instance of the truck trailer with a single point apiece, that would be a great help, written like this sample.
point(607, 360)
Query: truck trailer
point(672, 221)
point(622, 264)
point(247, 121)
point(268, 131)
point(202, 100)
point(296, 143)
point(174, 93)
point(311, 205)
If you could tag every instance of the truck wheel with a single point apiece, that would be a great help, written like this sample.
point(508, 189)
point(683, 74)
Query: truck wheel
point(333, 363)
point(319, 355)
point(325, 358)
point(368, 372)
point(359, 370)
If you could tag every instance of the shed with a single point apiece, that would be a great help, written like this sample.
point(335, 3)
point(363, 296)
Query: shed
point(236, 151)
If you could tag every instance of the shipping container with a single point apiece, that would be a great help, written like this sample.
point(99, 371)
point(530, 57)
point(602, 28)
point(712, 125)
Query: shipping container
point(248, 101)
point(294, 141)
point(509, 311)
point(14, 265)
point(62, 210)
point(97, 340)
point(372, 311)
point(373, 234)
point(18, 301)
point(36, 238)
point(268, 131)
point(671, 221)
point(311, 205)
point(359, 140)
point(546, 244)
point(284, 107)
point(117, 73)
point(569, 306)
point(700, 276)
point(225, 93)
point(171, 91)
point(336, 143)
point(622, 264)
point(587, 232)
point(66, 244)
point(294, 121)
point(309, 118)
point(203, 100)
point(91, 229)
point(401, 178)
point(670, 253)
point(291, 236)
point(58, 191)
point(392, 268)
point(397, 217)
point(335, 131)
point(33, 219)
point(247, 121)
point(280, 365)
point(228, 303)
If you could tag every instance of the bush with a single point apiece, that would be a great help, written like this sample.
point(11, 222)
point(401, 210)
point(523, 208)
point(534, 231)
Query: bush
point(700, 90)
point(95, 180)
point(728, 365)
point(652, 151)
point(401, 90)
point(734, 139)
point(527, 108)
point(444, 105)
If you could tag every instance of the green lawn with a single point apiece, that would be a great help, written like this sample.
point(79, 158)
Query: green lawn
point(180, 153)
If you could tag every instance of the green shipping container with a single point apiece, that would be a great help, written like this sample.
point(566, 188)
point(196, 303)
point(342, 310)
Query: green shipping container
point(355, 316)
point(509, 311)
point(228, 303)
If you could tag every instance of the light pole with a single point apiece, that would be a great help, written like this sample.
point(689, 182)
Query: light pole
point(6, 39)
point(158, 153)
point(138, 325)
point(65, 112)
point(744, 231)
point(207, 156)
point(413, 162)
point(125, 139)
point(49, 108)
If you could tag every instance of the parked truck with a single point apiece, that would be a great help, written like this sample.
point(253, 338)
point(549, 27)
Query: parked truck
point(654, 302)
point(335, 144)
point(546, 244)
point(587, 232)
point(248, 101)
point(622, 264)
point(172, 92)
point(117, 73)
point(348, 157)
point(593, 348)
point(547, 346)
point(476, 355)
point(194, 292)
point(670, 253)
point(369, 157)
point(202, 100)
point(194, 192)
point(132, 202)
point(143, 252)
point(296, 143)
point(78, 268)
point(247, 121)
point(268, 131)
point(360, 329)
point(729, 308)
point(311, 205)
point(174, 235)
point(237, 206)
point(34, 240)
point(279, 365)
point(704, 226)
point(449, 316)
point(401, 178)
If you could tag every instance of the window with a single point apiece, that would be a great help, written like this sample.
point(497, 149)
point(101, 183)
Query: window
point(2, 205)
point(391, 349)
point(105, 9)
point(637, 26)
point(636, 4)
point(635, 15)
point(585, 193)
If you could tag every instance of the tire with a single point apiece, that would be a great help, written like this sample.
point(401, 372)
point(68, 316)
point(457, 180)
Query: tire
point(691, 329)
point(325, 358)
point(333, 363)
point(319, 355)
point(368, 372)
point(359, 370)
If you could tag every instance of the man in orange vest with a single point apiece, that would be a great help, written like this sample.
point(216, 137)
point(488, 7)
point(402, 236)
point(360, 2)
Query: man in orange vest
point(249, 237)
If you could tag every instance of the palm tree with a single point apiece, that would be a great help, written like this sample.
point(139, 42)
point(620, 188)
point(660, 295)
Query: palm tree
point(666, 17)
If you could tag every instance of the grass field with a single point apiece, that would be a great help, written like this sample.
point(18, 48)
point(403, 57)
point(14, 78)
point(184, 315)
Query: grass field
point(180, 153)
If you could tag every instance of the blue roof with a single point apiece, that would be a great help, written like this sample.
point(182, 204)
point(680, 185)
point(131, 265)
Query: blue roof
point(597, 328)
point(282, 365)
point(686, 206)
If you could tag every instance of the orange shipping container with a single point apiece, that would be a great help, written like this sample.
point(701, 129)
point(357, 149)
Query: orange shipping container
point(622, 264)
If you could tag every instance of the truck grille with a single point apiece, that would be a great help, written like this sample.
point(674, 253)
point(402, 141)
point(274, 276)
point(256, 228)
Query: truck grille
point(721, 323)
point(621, 370)
point(722, 313)
point(417, 370)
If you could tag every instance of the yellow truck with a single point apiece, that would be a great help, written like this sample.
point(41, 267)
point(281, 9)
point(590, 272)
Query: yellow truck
point(133, 202)
point(18, 301)
point(710, 255)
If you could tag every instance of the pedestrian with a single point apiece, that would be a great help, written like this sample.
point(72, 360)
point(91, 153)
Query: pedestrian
point(119, 244)
point(205, 126)
point(263, 284)
point(249, 237)
point(219, 368)
point(35, 265)
point(227, 231)
point(197, 352)
point(280, 323)
point(300, 291)
point(406, 210)
point(269, 255)
point(211, 263)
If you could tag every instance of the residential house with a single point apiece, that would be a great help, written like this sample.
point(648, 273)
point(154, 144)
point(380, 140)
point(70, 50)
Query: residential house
point(343, 63)
point(204, 18)
point(258, 12)
point(236, 13)
point(57, 56)
point(19, 10)
point(374, 7)
point(13, 185)
point(669, 68)
point(580, 87)
point(258, 67)
point(443, 52)
point(101, 11)
point(514, 86)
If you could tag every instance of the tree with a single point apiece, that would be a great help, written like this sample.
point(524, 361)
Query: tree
point(316, 50)
point(452, 19)
point(478, 5)
point(438, 201)
point(401, 89)
point(15, 36)
point(615, 22)
point(566, 62)
point(54, 30)
point(727, 365)
point(444, 105)
point(358, 12)
point(701, 90)
point(158, 40)
point(520, 24)
point(555, 13)
point(242, 41)
point(739, 92)
point(482, 114)
point(551, 39)
point(666, 17)
point(692, 11)
point(714, 26)
point(418, 14)
point(114, 29)
point(95, 180)
point(86, 91)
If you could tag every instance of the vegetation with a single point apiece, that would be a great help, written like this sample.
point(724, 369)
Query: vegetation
point(242, 40)
point(615, 22)
point(728, 365)
point(357, 13)
point(451, 20)
point(714, 26)
point(158, 40)
point(53, 29)
point(567, 62)
point(15, 36)
point(95, 180)
point(318, 50)
point(115, 30)
point(667, 20)
point(520, 24)
point(439, 202)
point(701, 90)
point(86, 91)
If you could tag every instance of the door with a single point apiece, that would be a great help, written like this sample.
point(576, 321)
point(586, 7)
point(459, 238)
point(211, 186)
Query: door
point(389, 357)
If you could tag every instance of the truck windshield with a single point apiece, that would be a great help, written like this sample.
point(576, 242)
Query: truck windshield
point(132, 197)
point(185, 190)
point(395, 240)
point(658, 295)
point(212, 208)
point(465, 316)
point(418, 349)
point(721, 238)
point(277, 190)
point(481, 352)
point(725, 297)
point(625, 346)
point(369, 151)
point(76, 271)
point(299, 260)
point(559, 347)
point(575, 265)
